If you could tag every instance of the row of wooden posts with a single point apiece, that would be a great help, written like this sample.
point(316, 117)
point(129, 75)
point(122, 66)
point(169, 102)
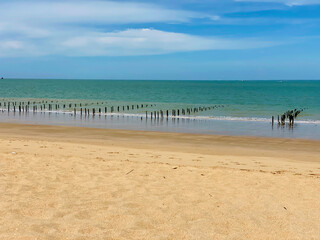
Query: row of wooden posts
point(79, 109)
point(291, 115)
point(42, 106)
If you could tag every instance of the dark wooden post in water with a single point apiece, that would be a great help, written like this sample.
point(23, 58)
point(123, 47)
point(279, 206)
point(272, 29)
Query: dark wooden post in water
point(74, 110)
point(105, 110)
point(167, 113)
point(93, 111)
point(146, 114)
point(283, 119)
point(272, 120)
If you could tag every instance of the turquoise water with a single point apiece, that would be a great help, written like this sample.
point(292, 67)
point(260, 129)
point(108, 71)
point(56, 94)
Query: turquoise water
point(240, 101)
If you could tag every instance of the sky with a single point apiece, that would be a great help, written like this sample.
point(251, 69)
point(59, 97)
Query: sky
point(160, 39)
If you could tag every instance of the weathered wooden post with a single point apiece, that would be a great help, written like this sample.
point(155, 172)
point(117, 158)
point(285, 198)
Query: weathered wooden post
point(272, 120)
point(283, 119)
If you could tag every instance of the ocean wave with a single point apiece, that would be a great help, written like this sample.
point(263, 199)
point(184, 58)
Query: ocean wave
point(187, 117)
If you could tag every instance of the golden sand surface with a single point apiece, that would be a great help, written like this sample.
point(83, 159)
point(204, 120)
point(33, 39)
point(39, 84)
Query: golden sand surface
point(80, 183)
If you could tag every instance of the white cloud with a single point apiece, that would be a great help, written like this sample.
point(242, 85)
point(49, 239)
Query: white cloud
point(95, 11)
point(285, 2)
point(150, 41)
point(34, 28)
point(130, 42)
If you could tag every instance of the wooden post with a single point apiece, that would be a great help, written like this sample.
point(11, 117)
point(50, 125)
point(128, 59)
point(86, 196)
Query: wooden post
point(272, 120)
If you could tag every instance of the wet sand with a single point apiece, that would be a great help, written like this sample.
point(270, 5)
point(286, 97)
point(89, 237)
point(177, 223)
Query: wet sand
point(81, 183)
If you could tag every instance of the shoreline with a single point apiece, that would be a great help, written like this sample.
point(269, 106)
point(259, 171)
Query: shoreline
point(173, 125)
point(289, 148)
point(86, 183)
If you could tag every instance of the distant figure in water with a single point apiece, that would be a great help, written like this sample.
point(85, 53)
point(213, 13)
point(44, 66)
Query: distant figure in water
point(2, 78)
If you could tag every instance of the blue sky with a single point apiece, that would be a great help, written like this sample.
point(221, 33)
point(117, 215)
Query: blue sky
point(161, 39)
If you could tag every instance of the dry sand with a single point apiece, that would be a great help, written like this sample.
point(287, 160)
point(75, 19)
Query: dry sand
point(80, 183)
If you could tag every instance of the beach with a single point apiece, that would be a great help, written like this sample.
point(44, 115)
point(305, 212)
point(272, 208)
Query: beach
point(86, 183)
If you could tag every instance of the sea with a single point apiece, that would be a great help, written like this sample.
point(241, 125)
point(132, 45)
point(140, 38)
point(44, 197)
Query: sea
point(237, 108)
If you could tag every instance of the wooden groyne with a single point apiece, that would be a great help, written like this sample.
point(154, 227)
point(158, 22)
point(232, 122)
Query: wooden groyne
point(101, 108)
point(289, 116)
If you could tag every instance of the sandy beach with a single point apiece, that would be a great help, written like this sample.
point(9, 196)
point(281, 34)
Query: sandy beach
point(80, 183)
